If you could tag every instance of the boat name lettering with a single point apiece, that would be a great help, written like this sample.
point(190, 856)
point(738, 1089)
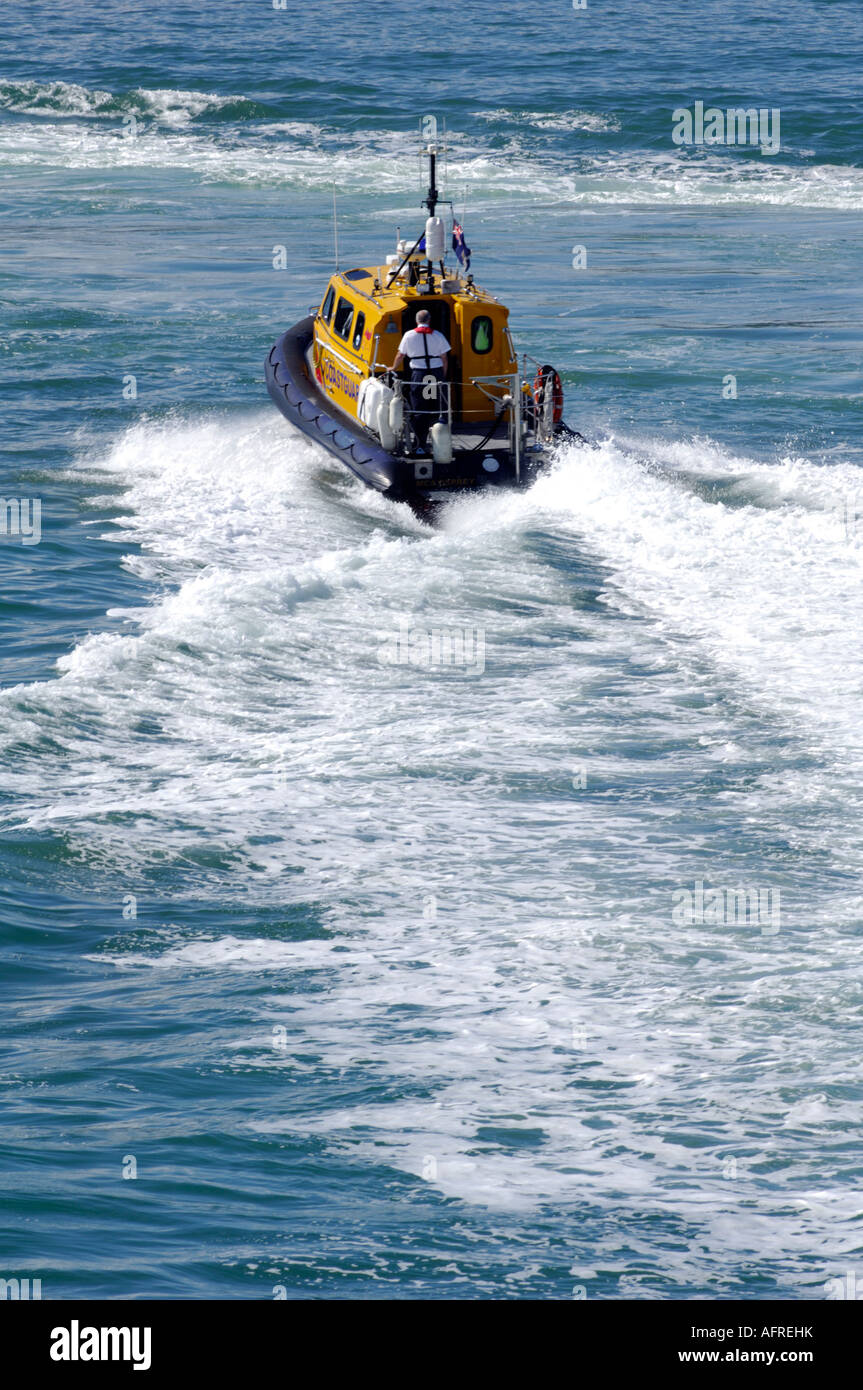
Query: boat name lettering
point(337, 380)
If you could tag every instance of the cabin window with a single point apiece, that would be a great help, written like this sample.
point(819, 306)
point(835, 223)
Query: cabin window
point(359, 329)
point(481, 334)
point(342, 320)
point(327, 306)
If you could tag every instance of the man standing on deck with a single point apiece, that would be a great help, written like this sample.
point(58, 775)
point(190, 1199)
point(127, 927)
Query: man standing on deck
point(426, 351)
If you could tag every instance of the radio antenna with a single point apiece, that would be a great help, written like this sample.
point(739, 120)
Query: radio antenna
point(335, 227)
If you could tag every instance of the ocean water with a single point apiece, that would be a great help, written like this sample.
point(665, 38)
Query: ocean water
point(335, 977)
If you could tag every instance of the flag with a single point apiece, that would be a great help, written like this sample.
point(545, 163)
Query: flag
point(460, 246)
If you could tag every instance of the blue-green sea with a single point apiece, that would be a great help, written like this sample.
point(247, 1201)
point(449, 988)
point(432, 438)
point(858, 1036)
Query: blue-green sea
point(328, 977)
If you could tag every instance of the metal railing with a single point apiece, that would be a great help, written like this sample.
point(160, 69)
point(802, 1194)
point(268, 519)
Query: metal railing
point(507, 393)
point(440, 409)
point(512, 402)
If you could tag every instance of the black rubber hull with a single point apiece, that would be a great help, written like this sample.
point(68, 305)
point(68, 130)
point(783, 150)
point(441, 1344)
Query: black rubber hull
point(302, 402)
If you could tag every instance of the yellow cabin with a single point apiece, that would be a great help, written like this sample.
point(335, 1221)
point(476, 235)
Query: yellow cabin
point(358, 328)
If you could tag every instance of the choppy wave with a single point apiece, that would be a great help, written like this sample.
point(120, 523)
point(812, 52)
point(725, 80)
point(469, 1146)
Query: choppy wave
point(591, 121)
point(675, 525)
point(717, 180)
point(307, 155)
point(164, 106)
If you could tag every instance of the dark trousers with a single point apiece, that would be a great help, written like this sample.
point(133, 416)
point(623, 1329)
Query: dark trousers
point(426, 409)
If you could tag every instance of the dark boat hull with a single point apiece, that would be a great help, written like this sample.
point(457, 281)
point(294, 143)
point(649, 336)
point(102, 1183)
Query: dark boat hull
point(300, 399)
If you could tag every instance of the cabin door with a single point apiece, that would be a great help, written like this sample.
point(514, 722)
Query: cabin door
point(441, 321)
point(439, 311)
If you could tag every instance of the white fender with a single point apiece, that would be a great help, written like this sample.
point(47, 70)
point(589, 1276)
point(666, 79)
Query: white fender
point(441, 442)
point(397, 415)
point(385, 431)
point(368, 401)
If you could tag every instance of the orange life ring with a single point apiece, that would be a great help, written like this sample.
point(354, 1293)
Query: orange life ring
point(547, 378)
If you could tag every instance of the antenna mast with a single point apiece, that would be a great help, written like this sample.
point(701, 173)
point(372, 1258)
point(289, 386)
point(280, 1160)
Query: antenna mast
point(431, 199)
point(434, 237)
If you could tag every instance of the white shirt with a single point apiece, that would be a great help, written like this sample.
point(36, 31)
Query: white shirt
point(414, 344)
